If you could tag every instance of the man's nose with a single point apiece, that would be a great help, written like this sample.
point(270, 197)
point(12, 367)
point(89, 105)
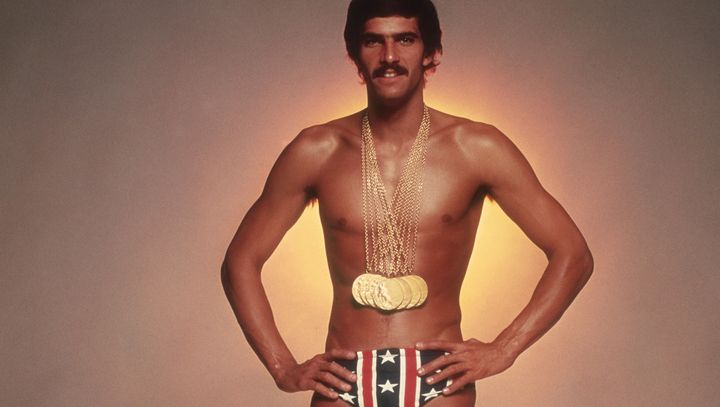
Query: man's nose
point(389, 53)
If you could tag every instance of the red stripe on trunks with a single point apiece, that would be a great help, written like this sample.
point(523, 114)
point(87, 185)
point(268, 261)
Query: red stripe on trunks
point(410, 374)
point(367, 378)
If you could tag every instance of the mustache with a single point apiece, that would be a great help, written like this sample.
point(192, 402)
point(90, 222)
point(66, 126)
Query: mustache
point(381, 70)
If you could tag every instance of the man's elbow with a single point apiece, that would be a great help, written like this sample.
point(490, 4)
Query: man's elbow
point(577, 262)
point(231, 279)
point(225, 273)
point(585, 265)
point(238, 269)
point(228, 279)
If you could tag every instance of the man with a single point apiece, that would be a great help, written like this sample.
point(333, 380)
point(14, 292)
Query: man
point(397, 265)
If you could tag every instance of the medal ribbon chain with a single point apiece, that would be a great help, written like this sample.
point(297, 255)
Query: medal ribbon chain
point(391, 227)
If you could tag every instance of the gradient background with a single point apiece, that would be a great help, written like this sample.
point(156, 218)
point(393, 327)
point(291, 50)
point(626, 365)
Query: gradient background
point(136, 134)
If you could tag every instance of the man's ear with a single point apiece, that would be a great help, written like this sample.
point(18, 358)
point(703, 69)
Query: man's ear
point(431, 62)
point(355, 65)
point(361, 76)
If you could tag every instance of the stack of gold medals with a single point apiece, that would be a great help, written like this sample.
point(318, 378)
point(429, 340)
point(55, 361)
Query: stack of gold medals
point(391, 228)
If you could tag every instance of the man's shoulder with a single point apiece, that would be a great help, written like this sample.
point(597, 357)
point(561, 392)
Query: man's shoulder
point(327, 137)
point(469, 135)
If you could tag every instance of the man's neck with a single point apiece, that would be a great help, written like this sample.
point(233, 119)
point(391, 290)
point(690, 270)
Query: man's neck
point(396, 122)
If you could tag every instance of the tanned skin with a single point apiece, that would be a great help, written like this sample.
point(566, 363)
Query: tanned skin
point(466, 161)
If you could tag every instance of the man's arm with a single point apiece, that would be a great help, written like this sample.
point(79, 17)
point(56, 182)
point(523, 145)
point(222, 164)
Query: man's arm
point(287, 191)
point(514, 186)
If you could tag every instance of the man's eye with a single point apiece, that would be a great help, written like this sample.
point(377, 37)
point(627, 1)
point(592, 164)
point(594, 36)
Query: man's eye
point(407, 40)
point(371, 42)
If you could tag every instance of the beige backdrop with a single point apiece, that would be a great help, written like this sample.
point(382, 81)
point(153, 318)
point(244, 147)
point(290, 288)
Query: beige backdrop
point(136, 134)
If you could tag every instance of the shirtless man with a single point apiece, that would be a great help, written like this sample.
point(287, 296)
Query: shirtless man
point(395, 44)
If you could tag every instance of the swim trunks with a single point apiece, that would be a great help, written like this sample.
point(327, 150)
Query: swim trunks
point(388, 378)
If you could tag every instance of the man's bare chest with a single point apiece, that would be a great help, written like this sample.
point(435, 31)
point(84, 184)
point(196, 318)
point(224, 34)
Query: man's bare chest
point(448, 190)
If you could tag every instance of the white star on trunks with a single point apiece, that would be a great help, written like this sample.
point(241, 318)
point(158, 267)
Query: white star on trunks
point(432, 393)
point(388, 357)
point(347, 397)
point(388, 387)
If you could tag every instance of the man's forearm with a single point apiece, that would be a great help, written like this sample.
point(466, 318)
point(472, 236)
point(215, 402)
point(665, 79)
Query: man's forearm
point(564, 277)
point(245, 292)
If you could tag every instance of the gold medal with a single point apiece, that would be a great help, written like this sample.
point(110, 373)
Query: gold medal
point(363, 287)
point(419, 290)
point(356, 291)
point(370, 289)
point(390, 294)
point(407, 292)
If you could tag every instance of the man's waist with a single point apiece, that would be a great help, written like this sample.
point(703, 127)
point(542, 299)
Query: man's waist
point(370, 333)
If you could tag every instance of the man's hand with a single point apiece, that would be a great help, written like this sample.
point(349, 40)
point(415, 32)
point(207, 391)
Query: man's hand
point(465, 362)
point(320, 374)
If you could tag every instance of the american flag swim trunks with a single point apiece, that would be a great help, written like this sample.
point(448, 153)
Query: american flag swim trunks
point(388, 378)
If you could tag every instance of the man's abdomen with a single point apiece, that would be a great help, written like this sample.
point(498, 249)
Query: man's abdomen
point(354, 327)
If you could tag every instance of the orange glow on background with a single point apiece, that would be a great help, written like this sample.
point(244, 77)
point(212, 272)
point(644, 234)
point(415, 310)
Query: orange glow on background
point(135, 136)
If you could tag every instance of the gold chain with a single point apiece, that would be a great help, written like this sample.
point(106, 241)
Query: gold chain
point(391, 227)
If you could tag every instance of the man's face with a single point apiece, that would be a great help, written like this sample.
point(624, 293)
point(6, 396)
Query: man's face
point(391, 57)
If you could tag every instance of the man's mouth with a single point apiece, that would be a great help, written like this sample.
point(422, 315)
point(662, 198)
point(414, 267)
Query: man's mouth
point(386, 72)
